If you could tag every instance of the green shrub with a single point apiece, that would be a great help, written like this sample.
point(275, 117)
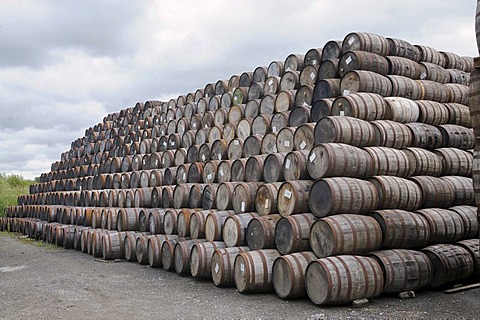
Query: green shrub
point(12, 186)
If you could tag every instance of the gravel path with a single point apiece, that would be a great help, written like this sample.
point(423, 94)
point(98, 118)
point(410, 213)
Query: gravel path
point(39, 281)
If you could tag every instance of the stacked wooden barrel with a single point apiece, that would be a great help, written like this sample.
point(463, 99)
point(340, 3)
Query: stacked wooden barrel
point(348, 166)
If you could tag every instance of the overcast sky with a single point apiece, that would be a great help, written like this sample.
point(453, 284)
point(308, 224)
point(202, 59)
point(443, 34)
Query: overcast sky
point(66, 64)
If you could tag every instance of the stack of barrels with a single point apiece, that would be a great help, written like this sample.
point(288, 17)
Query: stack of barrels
point(340, 174)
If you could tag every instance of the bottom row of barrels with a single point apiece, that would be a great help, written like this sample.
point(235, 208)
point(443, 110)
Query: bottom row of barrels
point(330, 280)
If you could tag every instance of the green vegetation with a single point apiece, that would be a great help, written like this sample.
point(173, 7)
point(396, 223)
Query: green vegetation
point(12, 186)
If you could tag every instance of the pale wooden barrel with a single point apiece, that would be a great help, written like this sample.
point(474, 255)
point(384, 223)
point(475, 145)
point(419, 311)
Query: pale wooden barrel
point(222, 265)
point(362, 60)
point(292, 233)
point(295, 165)
point(364, 41)
point(181, 254)
point(214, 224)
point(266, 198)
point(330, 280)
point(346, 130)
point(197, 223)
point(401, 109)
point(446, 225)
point(391, 134)
point(389, 162)
point(424, 162)
point(332, 50)
point(436, 192)
point(345, 234)
point(397, 193)
point(432, 112)
point(260, 232)
point(293, 197)
point(244, 196)
point(253, 270)
point(201, 258)
point(362, 105)
point(304, 137)
point(154, 249)
point(289, 274)
point(365, 81)
point(235, 227)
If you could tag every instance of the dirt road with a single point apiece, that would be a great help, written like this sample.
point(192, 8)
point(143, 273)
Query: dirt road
point(39, 281)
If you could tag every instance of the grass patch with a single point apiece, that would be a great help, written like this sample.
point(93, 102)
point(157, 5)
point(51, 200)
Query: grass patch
point(12, 186)
point(24, 239)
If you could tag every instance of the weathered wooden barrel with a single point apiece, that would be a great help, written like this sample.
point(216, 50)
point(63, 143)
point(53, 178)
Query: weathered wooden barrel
point(244, 196)
point(405, 87)
point(402, 229)
point(423, 162)
point(449, 263)
point(472, 246)
point(253, 270)
point(436, 192)
point(293, 197)
point(289, 274)
point(338, 159)
point(252, 145)
point(462, 188)
point(128, 219)
point(345, 234)
point(313, 57)
point(397, 193)
point(389, 161)
point(183, 222)
point(237, 171)
point(235, 227)
point(432, 112)
point(129, 246)
point(182, 256)
point(210, 171)
point(434, 72)
point(401, 110)
point(362, 60)
point(365, 81)
point(362, 105)
point(292, 233)
point(328, 69)
point(155, 221)
point(332, 50)
point(346, 130)
point(428, 54)
point(404, 270)
point(197, 223)
point(391, 134)
point(402, 48)
point(222, 265)
point(285, 139)
point(455, 162)
point(295, 165)
point(266, 198)
point(141, 249)
point(329, 196)
point(168, 258)
point(455, 136)
point(201, 258)
point(304, 137)
point(364, 41)
point(209, 195)
point(469, 217)
point(326, 88)
point(330, 280)
point(154, 249)
point(446, 225)
point(113, 245)
point(308, 75)
point(214, 224)
point(273, 167)
point(405, 67)
point(254, 168)
point(260, 232)
point(321, 108)
point(170, 221)
point(196, 195)
point(425, 136)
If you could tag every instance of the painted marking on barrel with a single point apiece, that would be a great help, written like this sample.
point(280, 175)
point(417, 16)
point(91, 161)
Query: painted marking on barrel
point(266, 203)
point(342, 113)
point(11, 269)
point(303, 145)
point(423, 75)
point(312, 157)
point(220, 172)
point(312, 75)
point(286, 143)
point(209, 176)
point(287, 194)
point(287, 163)
point(348, 60)
point(203, 157)
point(305, 104)
point(242, 267)
point(236, 142)
point(217, 268)
point(270, 82)
point(243, 206)
point(314, 61)
point(184, 175)
point(274, 129)
point(346, 92)
point(351, 40)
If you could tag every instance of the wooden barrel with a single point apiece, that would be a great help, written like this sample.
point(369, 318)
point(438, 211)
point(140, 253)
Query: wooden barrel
point(432, 112)
point(293, 197)
point(462, 188)
point(469, 217)
point(183, 223)
point(402, 229)
point(285, 139)
point(328, 69)
point(472, 246)
point(275, 68)
point(405, 87)
point(254, 168)
point(326, 88)
point(128, 219)
point(364, 41)
point(289, 274)
point(404, 270)
point(129, 245)
point(436, 192)
point(312, 57)
point(346, 130)
point(214, 224)
point(266, 198)
point(225, 194)
point(321, 108)
point(345, 234)
point(299, 115)
point(389, 161)
point(401, 110)
point(141, 249)
point(391, 134)
point(338, 159)
point(154, 249)
point(253, 270)
point(332, 50)
point(455, 161)
point(197, 224)
point(222, 265)
point(201, 258)
point(168, 258)
point(273, 167)
point(446, 225)
point(308, 75)
point(252, 146)
point(244, 196)
point(449, 263)
point(295, 165)
point(362, 105)
point(235, 227)
point(224, 171)
point(397, 193)
point(261, 232)
point(362, 60)
point(424, 162)
point(235, 149)
point(329, 196)
point(457, 93)
point(209, 196)
point(237, 171)
point(290, 80)
point(181, 254)
point(402, 48)
point(403, 67)
point(455, 136)
point(365, 81)
point(292, 233)
point(330, 280)
point(428, 54)
point(196, 194)
point(170, 221)
point(304, 137)
point(434, 72)
point(425, 136)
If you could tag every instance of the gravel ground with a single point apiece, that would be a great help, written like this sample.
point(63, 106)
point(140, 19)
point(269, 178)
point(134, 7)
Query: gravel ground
point(39, 281)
